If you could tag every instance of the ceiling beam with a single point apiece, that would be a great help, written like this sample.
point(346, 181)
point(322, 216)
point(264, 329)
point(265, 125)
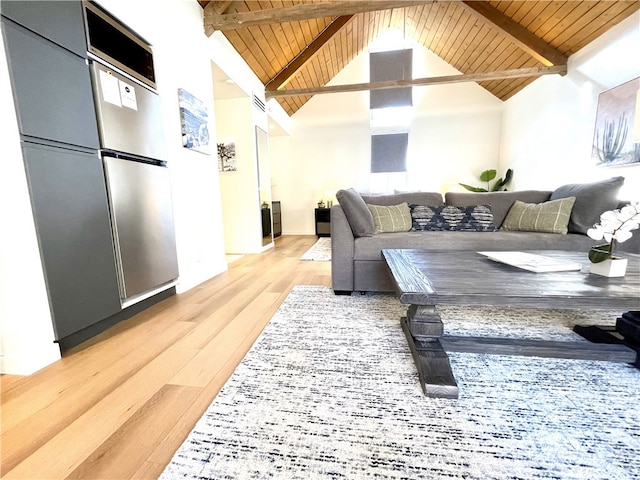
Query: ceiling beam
point(527, 41)
point(420, 82)
point(214, 8)
point(284, 75)
point(230, 21)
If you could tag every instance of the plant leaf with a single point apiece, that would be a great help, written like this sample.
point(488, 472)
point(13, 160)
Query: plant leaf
point(473, 189)
point(488, 175)
point(508, 175)
point(498, 185)
point(599, 253)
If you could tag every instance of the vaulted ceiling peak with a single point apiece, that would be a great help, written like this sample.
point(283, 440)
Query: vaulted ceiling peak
point(296, 47)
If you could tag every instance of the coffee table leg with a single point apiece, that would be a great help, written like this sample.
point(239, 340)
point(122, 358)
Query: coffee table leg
point(423, 329)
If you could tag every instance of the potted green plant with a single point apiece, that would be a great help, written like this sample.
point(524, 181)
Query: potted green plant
point(489, 175)
point(615, 226)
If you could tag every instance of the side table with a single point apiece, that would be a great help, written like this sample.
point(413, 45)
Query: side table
point(323, 222)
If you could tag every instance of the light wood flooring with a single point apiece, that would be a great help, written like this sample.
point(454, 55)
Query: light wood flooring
point(120, 404)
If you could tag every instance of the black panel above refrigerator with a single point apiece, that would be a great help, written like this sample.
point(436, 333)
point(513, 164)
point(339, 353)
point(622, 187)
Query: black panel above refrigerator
point(112, 41)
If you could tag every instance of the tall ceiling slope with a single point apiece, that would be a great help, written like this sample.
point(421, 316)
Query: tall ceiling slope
point(472, 36)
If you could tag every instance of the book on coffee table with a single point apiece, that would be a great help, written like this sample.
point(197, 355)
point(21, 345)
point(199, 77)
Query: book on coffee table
point(533, 262)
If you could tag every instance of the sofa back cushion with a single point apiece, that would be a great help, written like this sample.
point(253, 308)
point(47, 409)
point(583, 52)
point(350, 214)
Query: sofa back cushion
point(500, 201)
point(357, 213)
point(418, 198)
point(592, 200)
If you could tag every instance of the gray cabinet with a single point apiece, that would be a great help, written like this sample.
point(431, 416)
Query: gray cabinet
point(46, 52)
point(60, 21)
point(69, 201)
point(57, 122)
point(52, 89)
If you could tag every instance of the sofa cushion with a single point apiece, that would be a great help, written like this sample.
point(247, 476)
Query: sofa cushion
point(500, 201)
point(368, 249)
point(357, 213)
point(592, 200)
point(473, 218)
point(419, 198)
point(388, 219)
point(550, 217)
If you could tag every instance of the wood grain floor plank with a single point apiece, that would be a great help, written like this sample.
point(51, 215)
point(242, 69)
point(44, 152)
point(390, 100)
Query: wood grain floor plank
point(167, 447)
point(139, 434)
point(47, 386)
point(212, 321)
point(80, 417)
point(63, 453)
point(28, 423)
point(200, 370)
point(147, 470)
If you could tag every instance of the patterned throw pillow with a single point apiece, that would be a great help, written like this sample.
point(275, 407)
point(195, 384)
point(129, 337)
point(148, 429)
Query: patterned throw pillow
point(549, 217)
point(395, 218)
point(472, 218)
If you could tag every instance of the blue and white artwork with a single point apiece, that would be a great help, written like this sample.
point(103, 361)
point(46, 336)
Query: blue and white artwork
point(194, 118)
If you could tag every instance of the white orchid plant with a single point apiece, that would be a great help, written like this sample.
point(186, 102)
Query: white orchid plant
point(615, 226)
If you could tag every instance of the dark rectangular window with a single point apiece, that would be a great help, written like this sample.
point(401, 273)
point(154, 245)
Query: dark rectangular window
point(389, 152)
point(386, 66)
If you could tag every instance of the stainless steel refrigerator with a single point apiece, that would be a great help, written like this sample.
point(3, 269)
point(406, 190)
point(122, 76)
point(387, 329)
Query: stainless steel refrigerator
point(138, 184)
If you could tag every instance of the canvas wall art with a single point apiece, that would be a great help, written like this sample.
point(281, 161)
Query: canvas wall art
point(614, 140)
point(194, 119)
point(227, 157)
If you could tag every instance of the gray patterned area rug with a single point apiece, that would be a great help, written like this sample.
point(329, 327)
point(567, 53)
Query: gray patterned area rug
point(329, 390)
point(320, 251)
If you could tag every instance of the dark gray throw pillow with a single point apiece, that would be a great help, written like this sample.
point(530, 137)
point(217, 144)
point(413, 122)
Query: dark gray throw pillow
point(472, 218)
point(358, 214)
point(592, 200)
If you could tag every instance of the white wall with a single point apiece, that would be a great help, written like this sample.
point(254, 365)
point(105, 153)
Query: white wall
point(548, 127)
point(454, 135)
point(237, 119)
point(239, 189)
point(182, 56)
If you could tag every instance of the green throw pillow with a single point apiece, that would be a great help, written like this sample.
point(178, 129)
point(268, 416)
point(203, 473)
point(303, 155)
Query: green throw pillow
point(395, 218)
point(548, 217)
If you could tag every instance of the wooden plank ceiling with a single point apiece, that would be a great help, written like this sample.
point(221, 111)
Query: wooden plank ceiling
point(298, 46)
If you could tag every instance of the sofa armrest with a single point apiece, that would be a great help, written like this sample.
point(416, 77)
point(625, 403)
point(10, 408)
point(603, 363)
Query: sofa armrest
point(342, 251)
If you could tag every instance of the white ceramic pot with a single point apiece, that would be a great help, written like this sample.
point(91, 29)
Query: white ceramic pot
point(615, 267)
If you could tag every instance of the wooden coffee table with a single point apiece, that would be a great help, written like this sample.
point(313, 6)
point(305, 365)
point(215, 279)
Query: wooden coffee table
point(426, 279)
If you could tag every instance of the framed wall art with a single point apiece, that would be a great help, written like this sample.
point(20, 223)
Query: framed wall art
point(227, 157)
point(194, 119)
point(616, 138)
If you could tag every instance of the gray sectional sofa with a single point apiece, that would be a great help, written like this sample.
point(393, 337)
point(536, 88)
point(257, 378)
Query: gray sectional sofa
point(356, 262)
